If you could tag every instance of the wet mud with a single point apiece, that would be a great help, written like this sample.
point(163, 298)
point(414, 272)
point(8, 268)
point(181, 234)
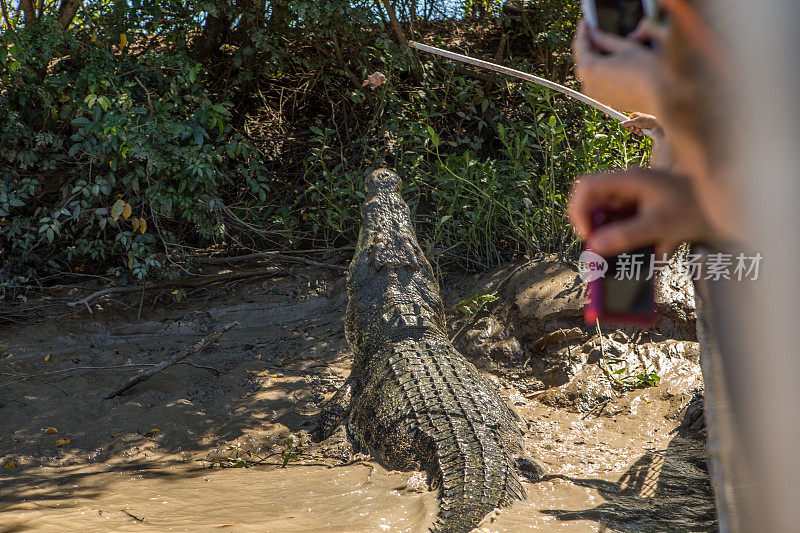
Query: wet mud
point(221, 441)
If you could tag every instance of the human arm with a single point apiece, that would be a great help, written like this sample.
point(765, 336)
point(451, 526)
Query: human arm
point(619, 72)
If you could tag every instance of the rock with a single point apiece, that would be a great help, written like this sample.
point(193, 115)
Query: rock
point(557, 337)
point(489, 338)
point(546, 291)
point(417, 482)
point(675, 299)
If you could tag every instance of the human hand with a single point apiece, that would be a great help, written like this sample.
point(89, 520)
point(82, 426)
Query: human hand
point(637, 122)
point(620, 72)
point(667, 212)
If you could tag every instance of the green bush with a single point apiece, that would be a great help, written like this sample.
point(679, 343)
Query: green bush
point(149, 129)
point(97, 126)
point(478, 196)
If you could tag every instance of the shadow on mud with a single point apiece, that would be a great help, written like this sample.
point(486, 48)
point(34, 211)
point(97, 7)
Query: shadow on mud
point(73, 484)
point(665, 490)
point(64, 445)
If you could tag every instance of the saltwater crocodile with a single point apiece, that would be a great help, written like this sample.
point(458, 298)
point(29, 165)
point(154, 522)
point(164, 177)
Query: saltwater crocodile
point(411, 400)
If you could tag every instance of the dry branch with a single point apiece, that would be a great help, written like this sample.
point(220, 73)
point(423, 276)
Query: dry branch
point(402, 40)
point(340, 58)
point(270, 255)
point(147, 374)
point(23, 378)
point(194, 282)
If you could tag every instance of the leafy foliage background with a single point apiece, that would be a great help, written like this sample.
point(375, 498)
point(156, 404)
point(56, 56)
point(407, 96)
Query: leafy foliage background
point(244, 125)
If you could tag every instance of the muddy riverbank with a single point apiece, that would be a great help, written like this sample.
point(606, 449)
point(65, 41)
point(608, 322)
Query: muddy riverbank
point(614, 415)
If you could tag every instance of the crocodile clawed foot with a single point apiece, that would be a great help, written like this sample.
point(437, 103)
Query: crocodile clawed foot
point(531, 468)
point(334, 412)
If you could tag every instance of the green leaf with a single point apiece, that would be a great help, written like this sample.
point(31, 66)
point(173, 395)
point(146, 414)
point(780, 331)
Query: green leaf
point(117, 209)
point(434, 137)
point(80, 121)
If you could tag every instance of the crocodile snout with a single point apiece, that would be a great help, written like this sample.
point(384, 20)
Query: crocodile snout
point(383, 181)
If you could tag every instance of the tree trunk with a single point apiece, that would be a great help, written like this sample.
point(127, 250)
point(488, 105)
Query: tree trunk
point(215, 33)
point(67, 12)
point(29, 9)
point(402, 40)
point(278, 15)
point(260, 16)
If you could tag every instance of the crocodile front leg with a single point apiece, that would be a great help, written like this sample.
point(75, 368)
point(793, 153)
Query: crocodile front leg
point(335, 411)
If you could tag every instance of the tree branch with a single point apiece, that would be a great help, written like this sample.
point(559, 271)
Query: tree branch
point(7, 19)
point(336, 48)
point(402, 40)
point(270, 255)
point(30, 11)
point(194, 282)
point(201, 345)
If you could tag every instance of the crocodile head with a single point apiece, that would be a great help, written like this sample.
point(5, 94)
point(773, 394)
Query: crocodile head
point(389, 268)
point(387, 237)
point(382, 181)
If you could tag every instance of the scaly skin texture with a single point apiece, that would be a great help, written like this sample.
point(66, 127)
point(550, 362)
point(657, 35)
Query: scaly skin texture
point(412, 401)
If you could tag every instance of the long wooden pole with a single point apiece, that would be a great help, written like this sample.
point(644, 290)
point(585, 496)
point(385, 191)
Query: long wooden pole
point(525, 76)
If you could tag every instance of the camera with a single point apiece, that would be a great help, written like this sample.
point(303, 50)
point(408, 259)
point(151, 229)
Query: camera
point(620, 17)
point(622, 290)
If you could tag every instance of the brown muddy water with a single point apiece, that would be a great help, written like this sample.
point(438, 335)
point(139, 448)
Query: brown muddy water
point(167, 455)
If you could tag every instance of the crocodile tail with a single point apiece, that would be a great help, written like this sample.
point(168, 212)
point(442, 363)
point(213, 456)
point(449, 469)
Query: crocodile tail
point(475, 487)
point(460, 511)
point(460, 518)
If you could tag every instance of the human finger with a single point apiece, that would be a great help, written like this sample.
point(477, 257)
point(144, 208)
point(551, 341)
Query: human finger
point(632, 126)
point(649, 30)
point(642, 120)
point(602, 190)
point(643, 229)
point(610, 43)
